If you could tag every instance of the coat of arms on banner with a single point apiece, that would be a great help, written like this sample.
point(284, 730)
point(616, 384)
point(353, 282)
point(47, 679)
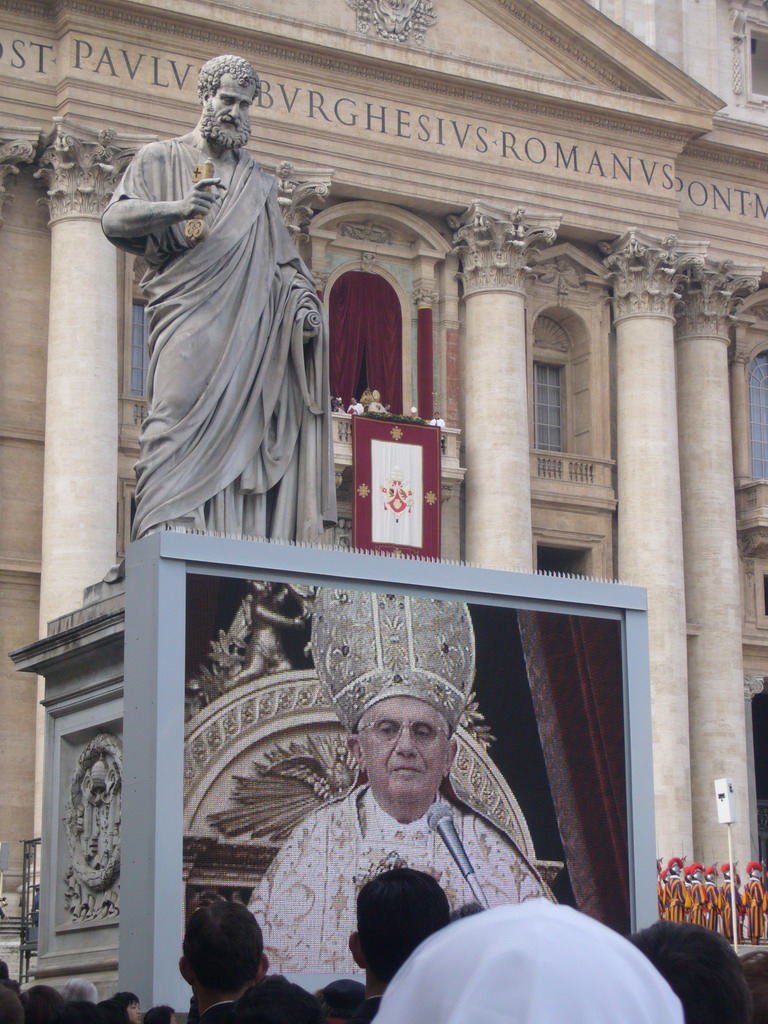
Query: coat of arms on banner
point(398, 496)
point(396, 486)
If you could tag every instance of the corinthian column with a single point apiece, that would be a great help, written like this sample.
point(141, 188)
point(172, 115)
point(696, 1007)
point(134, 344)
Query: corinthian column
point(80, 167)
point(712, 586)
point(494, 246)
point(646, 276)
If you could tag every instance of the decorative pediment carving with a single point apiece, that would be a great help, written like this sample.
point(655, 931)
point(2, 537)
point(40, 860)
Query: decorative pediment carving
point(366, 231)
point(399, 20)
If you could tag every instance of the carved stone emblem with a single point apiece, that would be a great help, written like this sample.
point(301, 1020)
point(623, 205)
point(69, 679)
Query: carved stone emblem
point(395, 19)
point(366, 232)
point(92, 824)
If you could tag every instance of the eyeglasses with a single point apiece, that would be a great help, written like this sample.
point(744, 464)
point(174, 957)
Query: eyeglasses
point(388, 731)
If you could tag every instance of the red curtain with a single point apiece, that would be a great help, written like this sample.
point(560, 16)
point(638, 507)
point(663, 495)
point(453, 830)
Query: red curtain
point(365, 322)
point(574, 670)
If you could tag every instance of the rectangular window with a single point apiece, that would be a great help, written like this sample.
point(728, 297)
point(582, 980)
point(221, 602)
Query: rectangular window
point(139, 349)
point(759, 57)
point(547, 408)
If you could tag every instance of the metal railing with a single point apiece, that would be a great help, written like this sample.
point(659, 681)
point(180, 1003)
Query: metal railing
point(30, 907)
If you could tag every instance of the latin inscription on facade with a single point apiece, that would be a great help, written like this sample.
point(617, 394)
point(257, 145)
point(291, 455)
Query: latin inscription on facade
point(327, 110)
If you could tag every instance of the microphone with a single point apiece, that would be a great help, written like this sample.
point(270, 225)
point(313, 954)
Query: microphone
point(440, 820)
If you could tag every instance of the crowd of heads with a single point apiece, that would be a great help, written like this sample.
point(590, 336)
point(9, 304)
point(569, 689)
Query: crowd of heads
point(534, 963)
point(77, 1002)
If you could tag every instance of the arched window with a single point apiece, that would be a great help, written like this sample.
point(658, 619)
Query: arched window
point(758, 416)
point(366, 338)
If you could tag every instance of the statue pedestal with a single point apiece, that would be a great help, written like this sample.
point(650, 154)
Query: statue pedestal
point(82, 662)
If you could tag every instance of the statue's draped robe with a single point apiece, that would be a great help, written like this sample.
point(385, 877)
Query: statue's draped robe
point(306, 901)
point(237, 436)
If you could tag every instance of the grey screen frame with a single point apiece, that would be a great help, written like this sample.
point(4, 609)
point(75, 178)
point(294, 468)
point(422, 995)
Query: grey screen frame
point(151, 898)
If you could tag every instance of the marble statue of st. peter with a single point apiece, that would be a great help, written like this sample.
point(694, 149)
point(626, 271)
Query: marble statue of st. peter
point(237, 437)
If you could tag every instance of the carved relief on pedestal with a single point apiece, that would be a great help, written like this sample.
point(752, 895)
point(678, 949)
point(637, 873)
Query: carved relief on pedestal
point(80, 167)
point(92, 824)
point(649, 272)
point(299, 191)
point(17, 146)
point(494, 246)
point(395, 19)
point(711, 296)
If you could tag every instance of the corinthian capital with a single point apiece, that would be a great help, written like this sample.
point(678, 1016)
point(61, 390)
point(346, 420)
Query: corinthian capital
point(424, 296)
point(648, 272)
point(81, 165)
point(17, 146)
point(753, 685)
point(494, 246)
point(299, 191)
point(712, 294)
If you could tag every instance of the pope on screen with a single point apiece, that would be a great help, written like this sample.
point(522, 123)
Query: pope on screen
point(399, 671)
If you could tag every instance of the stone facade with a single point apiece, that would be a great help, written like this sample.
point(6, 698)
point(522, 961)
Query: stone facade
point(568, 207)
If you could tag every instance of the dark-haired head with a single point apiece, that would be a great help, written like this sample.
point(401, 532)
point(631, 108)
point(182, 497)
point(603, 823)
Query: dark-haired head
point(396, 911)
point(79, 1011)
point(40, 1003)
point(223, 950)
point(132, 1005)
point(702, 970)
point(755, 967)
point(160, 1015)
point(466, 910)
point(113, 1011)
point(277, 1001)
point(11, 1010)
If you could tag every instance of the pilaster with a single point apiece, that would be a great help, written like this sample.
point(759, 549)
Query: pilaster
point(424, 298)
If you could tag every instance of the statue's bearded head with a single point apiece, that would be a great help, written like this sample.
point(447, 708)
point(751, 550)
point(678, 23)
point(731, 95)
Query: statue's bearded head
point(227, 86)
point(230, 131)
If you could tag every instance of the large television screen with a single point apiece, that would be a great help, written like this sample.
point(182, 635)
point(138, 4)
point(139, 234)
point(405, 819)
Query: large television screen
point(338, 715)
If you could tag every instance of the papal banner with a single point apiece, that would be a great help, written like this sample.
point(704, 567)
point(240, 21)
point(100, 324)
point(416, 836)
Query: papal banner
point(396, 474)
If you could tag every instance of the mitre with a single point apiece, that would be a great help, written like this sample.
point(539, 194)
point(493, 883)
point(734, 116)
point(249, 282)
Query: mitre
point(369, 646)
